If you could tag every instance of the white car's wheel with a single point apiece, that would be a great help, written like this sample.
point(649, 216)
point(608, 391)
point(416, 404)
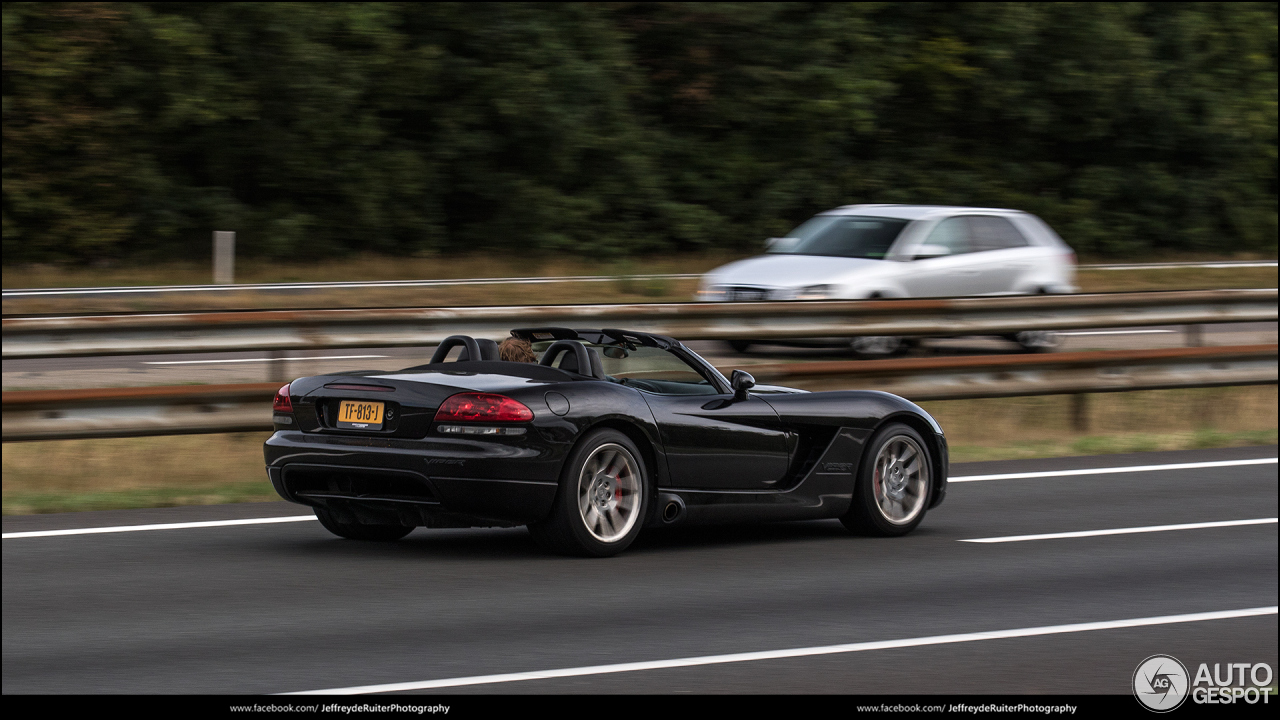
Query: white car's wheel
point(1038, 340)
point(877, 345)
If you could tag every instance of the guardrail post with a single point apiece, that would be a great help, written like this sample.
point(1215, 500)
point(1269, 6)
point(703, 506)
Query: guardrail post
point(1080, 412)
point(224, 257)
point(1194, 335)
point(276, 366)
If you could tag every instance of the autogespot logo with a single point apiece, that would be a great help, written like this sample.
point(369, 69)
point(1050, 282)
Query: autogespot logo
point(1160, 683)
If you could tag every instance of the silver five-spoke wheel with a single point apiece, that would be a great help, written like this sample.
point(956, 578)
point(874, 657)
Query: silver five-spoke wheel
point(901, 480)
point(609, 491)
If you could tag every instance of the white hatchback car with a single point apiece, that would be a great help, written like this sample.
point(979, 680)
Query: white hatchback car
point(895, 251)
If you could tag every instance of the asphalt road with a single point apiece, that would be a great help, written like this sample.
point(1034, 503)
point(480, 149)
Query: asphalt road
point(269, 608)
point(246, 367)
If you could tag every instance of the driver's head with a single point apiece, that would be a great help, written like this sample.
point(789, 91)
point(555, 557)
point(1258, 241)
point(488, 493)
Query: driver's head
point(514, 349)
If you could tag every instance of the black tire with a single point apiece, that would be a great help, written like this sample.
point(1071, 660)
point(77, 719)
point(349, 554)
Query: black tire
point(1038, 341)
point(589, 501)
point(740, 346)
point(361, 531)
point(875, 510)
point(878, 347)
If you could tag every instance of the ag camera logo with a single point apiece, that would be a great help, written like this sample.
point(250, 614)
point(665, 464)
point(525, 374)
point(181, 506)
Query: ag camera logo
point(1160, 683)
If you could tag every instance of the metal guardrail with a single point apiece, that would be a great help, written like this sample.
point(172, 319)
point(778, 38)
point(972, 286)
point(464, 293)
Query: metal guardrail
point(133, 412)
point(959, 378)
point(101, 413)
point(46, 337)
point(135, 290)
point(1209, 265)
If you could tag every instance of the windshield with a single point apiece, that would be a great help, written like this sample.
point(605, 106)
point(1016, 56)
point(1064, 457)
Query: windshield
point(646, 368)
point(851, 236)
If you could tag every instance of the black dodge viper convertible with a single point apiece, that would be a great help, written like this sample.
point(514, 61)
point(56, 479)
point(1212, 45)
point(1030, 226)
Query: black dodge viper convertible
point(612, 431)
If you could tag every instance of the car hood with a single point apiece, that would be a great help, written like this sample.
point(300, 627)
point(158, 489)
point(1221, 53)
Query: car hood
point(781, 270)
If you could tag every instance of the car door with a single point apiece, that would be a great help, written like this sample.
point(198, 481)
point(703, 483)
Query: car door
point(947, 275)
point(713, 442)
point(1003, 252)
point(981, 258)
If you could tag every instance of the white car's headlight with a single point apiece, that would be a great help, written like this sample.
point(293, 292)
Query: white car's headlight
point(709, 293)
point(814, 292)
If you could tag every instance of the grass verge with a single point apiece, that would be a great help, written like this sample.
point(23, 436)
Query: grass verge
point(1112, 444)
point(1143, 421)
point(75, 475)
point(165, 471)
point(629, 284)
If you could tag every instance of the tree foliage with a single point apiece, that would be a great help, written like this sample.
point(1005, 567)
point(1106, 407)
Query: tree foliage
point(134, 129)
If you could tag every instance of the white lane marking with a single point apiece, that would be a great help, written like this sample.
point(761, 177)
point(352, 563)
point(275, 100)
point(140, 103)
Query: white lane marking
point(157, 526)
point(1110, 470)
point(1122, 531)
point(248, 360)
point(1117, 332)
point(793, 652)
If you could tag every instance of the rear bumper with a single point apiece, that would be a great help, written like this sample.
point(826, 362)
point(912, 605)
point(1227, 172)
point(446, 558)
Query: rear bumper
point(434, 483)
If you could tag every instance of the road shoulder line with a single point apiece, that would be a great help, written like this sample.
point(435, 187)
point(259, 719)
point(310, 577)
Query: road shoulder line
point(1112, 470)
point(1122, 531)
point(792, 653)
point(157, 526)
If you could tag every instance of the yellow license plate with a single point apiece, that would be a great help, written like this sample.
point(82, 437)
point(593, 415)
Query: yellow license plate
point(360, 415)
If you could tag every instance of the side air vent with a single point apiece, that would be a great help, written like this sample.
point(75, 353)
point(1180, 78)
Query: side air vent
point(813, 445)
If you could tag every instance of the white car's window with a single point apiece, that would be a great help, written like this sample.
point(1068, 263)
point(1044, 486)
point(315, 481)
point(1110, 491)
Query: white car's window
point(851, 236)
point(994, 233)
point(953, 234)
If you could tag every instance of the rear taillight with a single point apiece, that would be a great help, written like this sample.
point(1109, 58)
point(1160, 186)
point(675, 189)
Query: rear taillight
point(482, 407)
point(282, 403)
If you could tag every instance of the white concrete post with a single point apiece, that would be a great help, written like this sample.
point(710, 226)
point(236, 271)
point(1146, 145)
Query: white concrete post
point(224, 257)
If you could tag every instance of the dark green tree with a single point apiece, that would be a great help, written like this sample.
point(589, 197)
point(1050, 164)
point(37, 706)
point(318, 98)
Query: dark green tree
point(134, 129)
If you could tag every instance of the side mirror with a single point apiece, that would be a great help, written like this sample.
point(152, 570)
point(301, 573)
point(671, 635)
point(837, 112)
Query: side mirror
point(926, 252)
point(780, 245)
point(741, 382)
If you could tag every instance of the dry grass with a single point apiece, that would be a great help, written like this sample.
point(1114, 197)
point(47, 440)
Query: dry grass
point(1175, 279)
point(72, 475)
point(624, 289)
point(1116, 422)
point(363, 267)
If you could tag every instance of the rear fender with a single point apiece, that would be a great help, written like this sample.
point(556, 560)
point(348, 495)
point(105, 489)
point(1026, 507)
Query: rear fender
point(600, 404)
